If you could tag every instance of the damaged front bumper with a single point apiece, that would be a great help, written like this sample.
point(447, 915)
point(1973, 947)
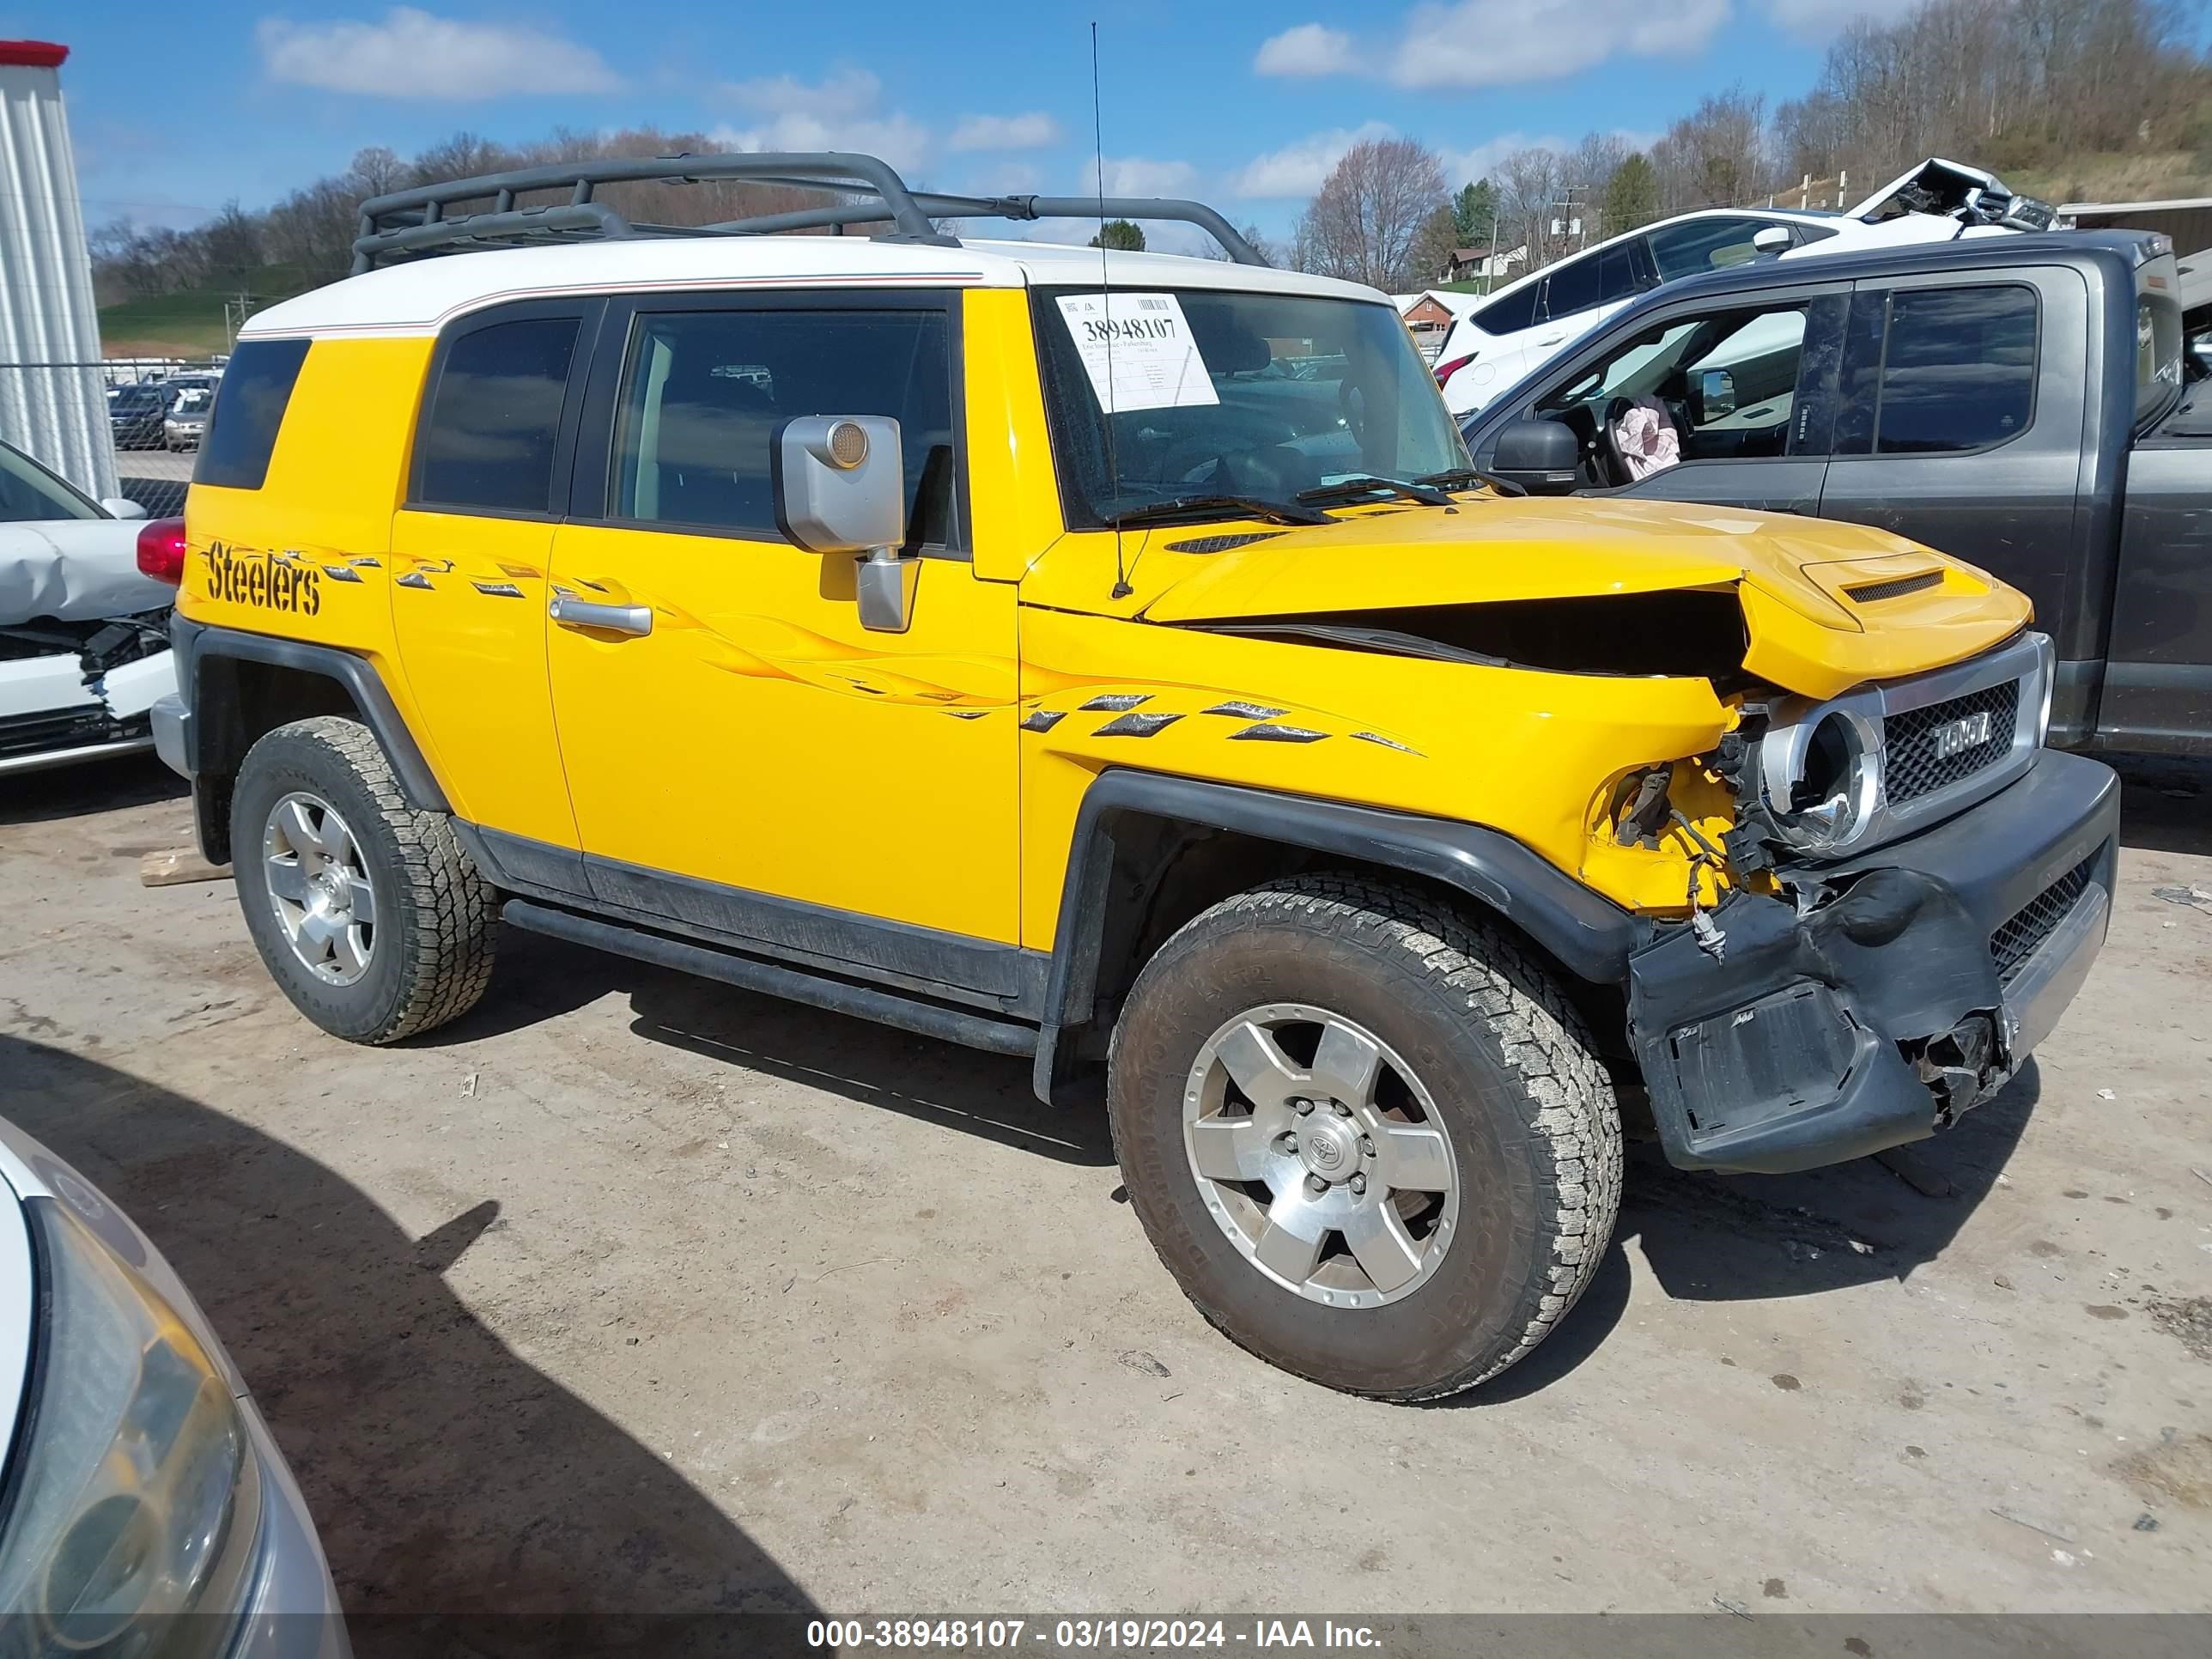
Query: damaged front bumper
point(1900, 988)
point(53, 713)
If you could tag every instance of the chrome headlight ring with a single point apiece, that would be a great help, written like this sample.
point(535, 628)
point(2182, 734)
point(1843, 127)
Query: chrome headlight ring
point(1821, 774)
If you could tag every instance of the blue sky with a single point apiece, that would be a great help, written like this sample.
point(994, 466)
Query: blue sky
point(177, 107)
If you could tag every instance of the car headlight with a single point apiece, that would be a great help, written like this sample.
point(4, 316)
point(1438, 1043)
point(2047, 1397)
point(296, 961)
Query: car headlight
point(1821, 777)
point(135, 1494)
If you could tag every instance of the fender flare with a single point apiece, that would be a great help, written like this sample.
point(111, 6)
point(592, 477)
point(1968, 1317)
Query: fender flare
point(196, 643)
point(1587, 933)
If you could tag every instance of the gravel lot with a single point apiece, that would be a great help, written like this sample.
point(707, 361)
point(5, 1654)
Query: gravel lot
point(632, 1292)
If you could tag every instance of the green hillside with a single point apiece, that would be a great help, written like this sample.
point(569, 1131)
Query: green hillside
point(190, 323)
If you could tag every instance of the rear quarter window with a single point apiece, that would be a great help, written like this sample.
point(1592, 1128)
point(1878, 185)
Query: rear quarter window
point(249, 409)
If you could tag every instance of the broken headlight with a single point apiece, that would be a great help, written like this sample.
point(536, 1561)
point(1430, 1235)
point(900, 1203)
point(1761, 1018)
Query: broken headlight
point(136, 1494)
point(1821, 776)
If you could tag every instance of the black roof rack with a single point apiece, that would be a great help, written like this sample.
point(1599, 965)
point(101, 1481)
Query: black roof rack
point(409, 223)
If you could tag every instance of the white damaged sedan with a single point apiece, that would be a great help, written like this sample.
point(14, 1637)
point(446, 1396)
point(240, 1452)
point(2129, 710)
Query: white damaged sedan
point(84, 643)
point(145, 1509)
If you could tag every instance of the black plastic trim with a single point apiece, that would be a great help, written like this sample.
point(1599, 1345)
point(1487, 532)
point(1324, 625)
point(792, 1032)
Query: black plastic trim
point(907, 1013)
point(955, 967)
point(195, 642)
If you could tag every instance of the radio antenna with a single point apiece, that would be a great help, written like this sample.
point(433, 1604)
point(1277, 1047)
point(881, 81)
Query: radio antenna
point(1122, 588)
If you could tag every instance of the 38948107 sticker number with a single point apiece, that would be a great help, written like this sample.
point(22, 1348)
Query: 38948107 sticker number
point(263, 580)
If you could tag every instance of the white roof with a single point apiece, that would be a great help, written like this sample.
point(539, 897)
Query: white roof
point(422, 295)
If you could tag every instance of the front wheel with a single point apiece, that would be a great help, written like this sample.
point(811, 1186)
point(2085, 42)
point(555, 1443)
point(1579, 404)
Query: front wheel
point(1366, 1133)
point(367, 911)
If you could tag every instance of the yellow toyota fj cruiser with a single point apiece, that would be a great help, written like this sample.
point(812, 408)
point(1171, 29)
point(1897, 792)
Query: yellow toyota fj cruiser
point(1110, 659)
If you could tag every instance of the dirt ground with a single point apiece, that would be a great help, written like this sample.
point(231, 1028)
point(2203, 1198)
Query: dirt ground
point(634, 1291)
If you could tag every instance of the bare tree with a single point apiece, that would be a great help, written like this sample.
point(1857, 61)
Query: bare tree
point(1528, 203)
point(1364, 223)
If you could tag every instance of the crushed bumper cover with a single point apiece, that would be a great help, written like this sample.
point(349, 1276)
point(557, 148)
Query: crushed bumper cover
point(1898, 990)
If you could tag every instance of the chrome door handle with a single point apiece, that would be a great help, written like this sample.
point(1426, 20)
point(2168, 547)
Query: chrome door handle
point(572, 612)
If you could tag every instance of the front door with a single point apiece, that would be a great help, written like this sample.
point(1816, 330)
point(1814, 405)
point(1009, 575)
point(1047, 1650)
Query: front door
point(742, 754)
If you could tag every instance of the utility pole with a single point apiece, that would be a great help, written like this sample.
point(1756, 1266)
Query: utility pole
point(235, 311)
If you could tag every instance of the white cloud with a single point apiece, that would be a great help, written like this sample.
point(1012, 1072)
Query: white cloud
point(1298, 169)
point(842, 111)
point(1489, 43)
point(1139, 175)
point(412, 54)
point(1464, 166)
point(1033, 131)
point(1816, 19)
point(1309, 49)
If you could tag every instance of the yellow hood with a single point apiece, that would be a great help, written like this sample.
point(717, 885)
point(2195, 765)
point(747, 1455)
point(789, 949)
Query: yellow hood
point(1827, 605)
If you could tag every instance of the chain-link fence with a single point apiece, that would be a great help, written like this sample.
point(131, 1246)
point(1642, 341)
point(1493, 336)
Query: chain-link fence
point(155, 412)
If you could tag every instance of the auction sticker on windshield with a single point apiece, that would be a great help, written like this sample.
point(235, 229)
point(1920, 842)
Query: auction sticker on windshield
point(1138, 350)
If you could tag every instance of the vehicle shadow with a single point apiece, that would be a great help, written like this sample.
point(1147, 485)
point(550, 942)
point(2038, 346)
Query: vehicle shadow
point(1743, 1237)
point(976, 1093)
point(103, 785)
point(2166, 803)
point(467, 1502)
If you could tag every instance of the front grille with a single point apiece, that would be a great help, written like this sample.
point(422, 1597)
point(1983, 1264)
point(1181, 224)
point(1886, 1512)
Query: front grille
point(33, 734)
point(1911, 766)
point(2012, 945)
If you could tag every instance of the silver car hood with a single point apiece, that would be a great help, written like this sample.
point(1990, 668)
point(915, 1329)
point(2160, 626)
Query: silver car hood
point(75, 570)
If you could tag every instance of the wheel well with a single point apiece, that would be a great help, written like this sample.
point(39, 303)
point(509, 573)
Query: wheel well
point(1166, 872)
point(240, 702)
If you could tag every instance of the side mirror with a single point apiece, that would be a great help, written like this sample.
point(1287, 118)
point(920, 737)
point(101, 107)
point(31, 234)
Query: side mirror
point(123, 509)
point(1715, 389)
point(1771, 240)
point(841, 488)
point(1541, 456)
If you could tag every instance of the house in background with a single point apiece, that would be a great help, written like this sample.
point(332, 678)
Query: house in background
point(1430, 315)
point(1483, 263)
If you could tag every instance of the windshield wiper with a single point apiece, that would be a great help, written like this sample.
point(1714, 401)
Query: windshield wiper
point(1350, 489)
point(1464, 477)
point(1198, 505)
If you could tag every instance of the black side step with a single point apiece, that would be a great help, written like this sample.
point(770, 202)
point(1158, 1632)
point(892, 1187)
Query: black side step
point(887, 1007)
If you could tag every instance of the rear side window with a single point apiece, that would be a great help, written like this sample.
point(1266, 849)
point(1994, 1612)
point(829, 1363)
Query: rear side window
point(249, 407)
point(1697, 245)
point(1958, 370)
point(494, 421)
point(1511, 314)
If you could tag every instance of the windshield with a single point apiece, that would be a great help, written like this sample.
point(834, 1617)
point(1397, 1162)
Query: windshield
point(1218, 393)
point(31, 495)
point(138, 396)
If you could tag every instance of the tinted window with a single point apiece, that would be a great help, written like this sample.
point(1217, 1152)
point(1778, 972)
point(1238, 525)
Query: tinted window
point(249, 407)
point(1958, 370)
point(28, 493)
point(1571, 286)
point(1603, 278)
point(495, 417)
point(1697, 245)
point(704, 393)
point(1509, 315)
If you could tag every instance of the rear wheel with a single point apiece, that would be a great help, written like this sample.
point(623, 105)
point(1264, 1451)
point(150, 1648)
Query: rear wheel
point(1367, 1134)
point(367, 911)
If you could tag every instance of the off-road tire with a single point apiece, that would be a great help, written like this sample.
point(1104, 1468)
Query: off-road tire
point(1534, 1125)
point(437, 918)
